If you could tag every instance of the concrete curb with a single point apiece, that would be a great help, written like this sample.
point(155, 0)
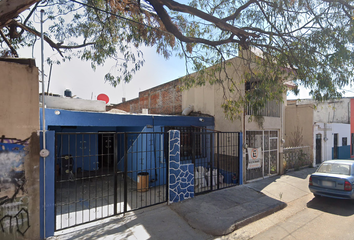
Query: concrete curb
point(260, 215)
point(246, 221)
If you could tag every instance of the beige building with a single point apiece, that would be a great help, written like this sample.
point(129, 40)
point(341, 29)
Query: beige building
point(267, 136)
point(208, 99)
point(324, 127)
point(19, 149)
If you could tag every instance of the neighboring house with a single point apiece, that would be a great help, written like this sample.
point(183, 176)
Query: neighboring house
point(163, 99)
point(208, 100)
point(323, 126)
point(108, 163)
point(19, 149)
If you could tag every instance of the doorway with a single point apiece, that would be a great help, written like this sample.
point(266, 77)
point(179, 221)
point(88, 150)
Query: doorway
point(267, 142)
point(105, 150)
point(335, 146)
point(318, 148)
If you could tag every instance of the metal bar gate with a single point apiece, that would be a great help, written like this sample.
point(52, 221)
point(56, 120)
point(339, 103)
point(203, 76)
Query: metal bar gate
point(103, 174)
point(216, 157)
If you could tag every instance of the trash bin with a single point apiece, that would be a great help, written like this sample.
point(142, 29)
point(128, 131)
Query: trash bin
point(143, 181)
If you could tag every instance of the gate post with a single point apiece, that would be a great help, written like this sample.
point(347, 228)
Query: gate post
point(240, 158)
point(115, 169)
point(47, 200)
point(180, 176)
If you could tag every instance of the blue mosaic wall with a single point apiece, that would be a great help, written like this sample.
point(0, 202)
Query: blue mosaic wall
point(181, 176)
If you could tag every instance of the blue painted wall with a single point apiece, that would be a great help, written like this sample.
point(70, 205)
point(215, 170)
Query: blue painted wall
point(89, 119)
point(71, 121)
point(146, 154)
point(85, 156)
point(343, 152)
point(47, 213)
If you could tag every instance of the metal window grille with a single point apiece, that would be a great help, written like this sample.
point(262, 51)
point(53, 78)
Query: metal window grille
point(99, 175)
point(186, 142)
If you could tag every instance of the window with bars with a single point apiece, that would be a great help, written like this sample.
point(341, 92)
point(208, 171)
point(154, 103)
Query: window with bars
point(186, 141)
point(344, 141)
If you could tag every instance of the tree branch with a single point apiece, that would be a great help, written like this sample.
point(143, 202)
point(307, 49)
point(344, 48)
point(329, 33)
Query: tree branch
point(172, 28)
point(35, 32)
point(56, 46)
point(341, 2)
point(175, 6)
point(239, 10)
point(13, 50)
point(10, 9)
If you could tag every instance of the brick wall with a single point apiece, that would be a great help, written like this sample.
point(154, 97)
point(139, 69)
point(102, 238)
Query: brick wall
point(163, 99)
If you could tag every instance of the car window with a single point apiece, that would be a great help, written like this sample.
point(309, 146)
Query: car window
point(335, 168)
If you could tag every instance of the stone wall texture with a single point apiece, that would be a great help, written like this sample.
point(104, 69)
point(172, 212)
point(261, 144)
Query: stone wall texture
point(181, 176)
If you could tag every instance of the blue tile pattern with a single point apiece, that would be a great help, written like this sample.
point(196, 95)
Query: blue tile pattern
point(181, 176)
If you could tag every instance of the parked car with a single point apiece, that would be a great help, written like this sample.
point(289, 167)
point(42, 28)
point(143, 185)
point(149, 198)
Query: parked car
point(333, 178)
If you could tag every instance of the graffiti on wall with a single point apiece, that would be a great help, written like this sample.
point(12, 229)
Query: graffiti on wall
point(13, 213)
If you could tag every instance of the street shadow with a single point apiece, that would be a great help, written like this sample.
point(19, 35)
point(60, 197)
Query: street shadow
point(101, 230)
point(342, 207)
point(303, 173)
point(156, 222)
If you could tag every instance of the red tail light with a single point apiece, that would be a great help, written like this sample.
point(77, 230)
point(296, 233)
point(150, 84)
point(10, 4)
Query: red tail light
point(347, 186)
point(310, 181)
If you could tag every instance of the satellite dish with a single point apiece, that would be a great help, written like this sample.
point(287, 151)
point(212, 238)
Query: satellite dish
point(103, 97)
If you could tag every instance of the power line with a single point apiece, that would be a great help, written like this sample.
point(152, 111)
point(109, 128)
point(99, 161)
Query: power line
point(118, 16)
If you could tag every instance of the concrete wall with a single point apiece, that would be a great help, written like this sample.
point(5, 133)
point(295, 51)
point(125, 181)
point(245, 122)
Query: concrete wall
point(74, 104)
point(163, 99)
point(327, 131)
point(19, 150)
point(351, 142)
point(208, 99)
point(299, 125)
point(334, 111)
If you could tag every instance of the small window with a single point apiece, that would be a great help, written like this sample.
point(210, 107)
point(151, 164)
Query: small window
point(344, 141)
point(186, 142)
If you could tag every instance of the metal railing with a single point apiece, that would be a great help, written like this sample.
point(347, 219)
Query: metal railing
point(219, 167)
point(271, 109)
point(99, 175)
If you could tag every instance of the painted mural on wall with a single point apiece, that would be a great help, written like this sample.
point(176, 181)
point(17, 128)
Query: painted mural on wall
point(13, 197)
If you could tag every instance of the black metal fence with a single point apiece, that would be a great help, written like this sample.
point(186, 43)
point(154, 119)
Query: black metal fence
point(104, 174)
point(217, 166)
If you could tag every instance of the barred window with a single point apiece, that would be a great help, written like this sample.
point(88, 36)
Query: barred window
point(186, 141)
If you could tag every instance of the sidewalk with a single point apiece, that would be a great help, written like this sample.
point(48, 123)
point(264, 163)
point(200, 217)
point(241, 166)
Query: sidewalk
point(205, 216)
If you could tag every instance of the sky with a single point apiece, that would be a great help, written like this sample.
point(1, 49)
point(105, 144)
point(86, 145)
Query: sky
point(85, 83)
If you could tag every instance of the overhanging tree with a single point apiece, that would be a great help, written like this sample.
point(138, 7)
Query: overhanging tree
point(310, 39)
